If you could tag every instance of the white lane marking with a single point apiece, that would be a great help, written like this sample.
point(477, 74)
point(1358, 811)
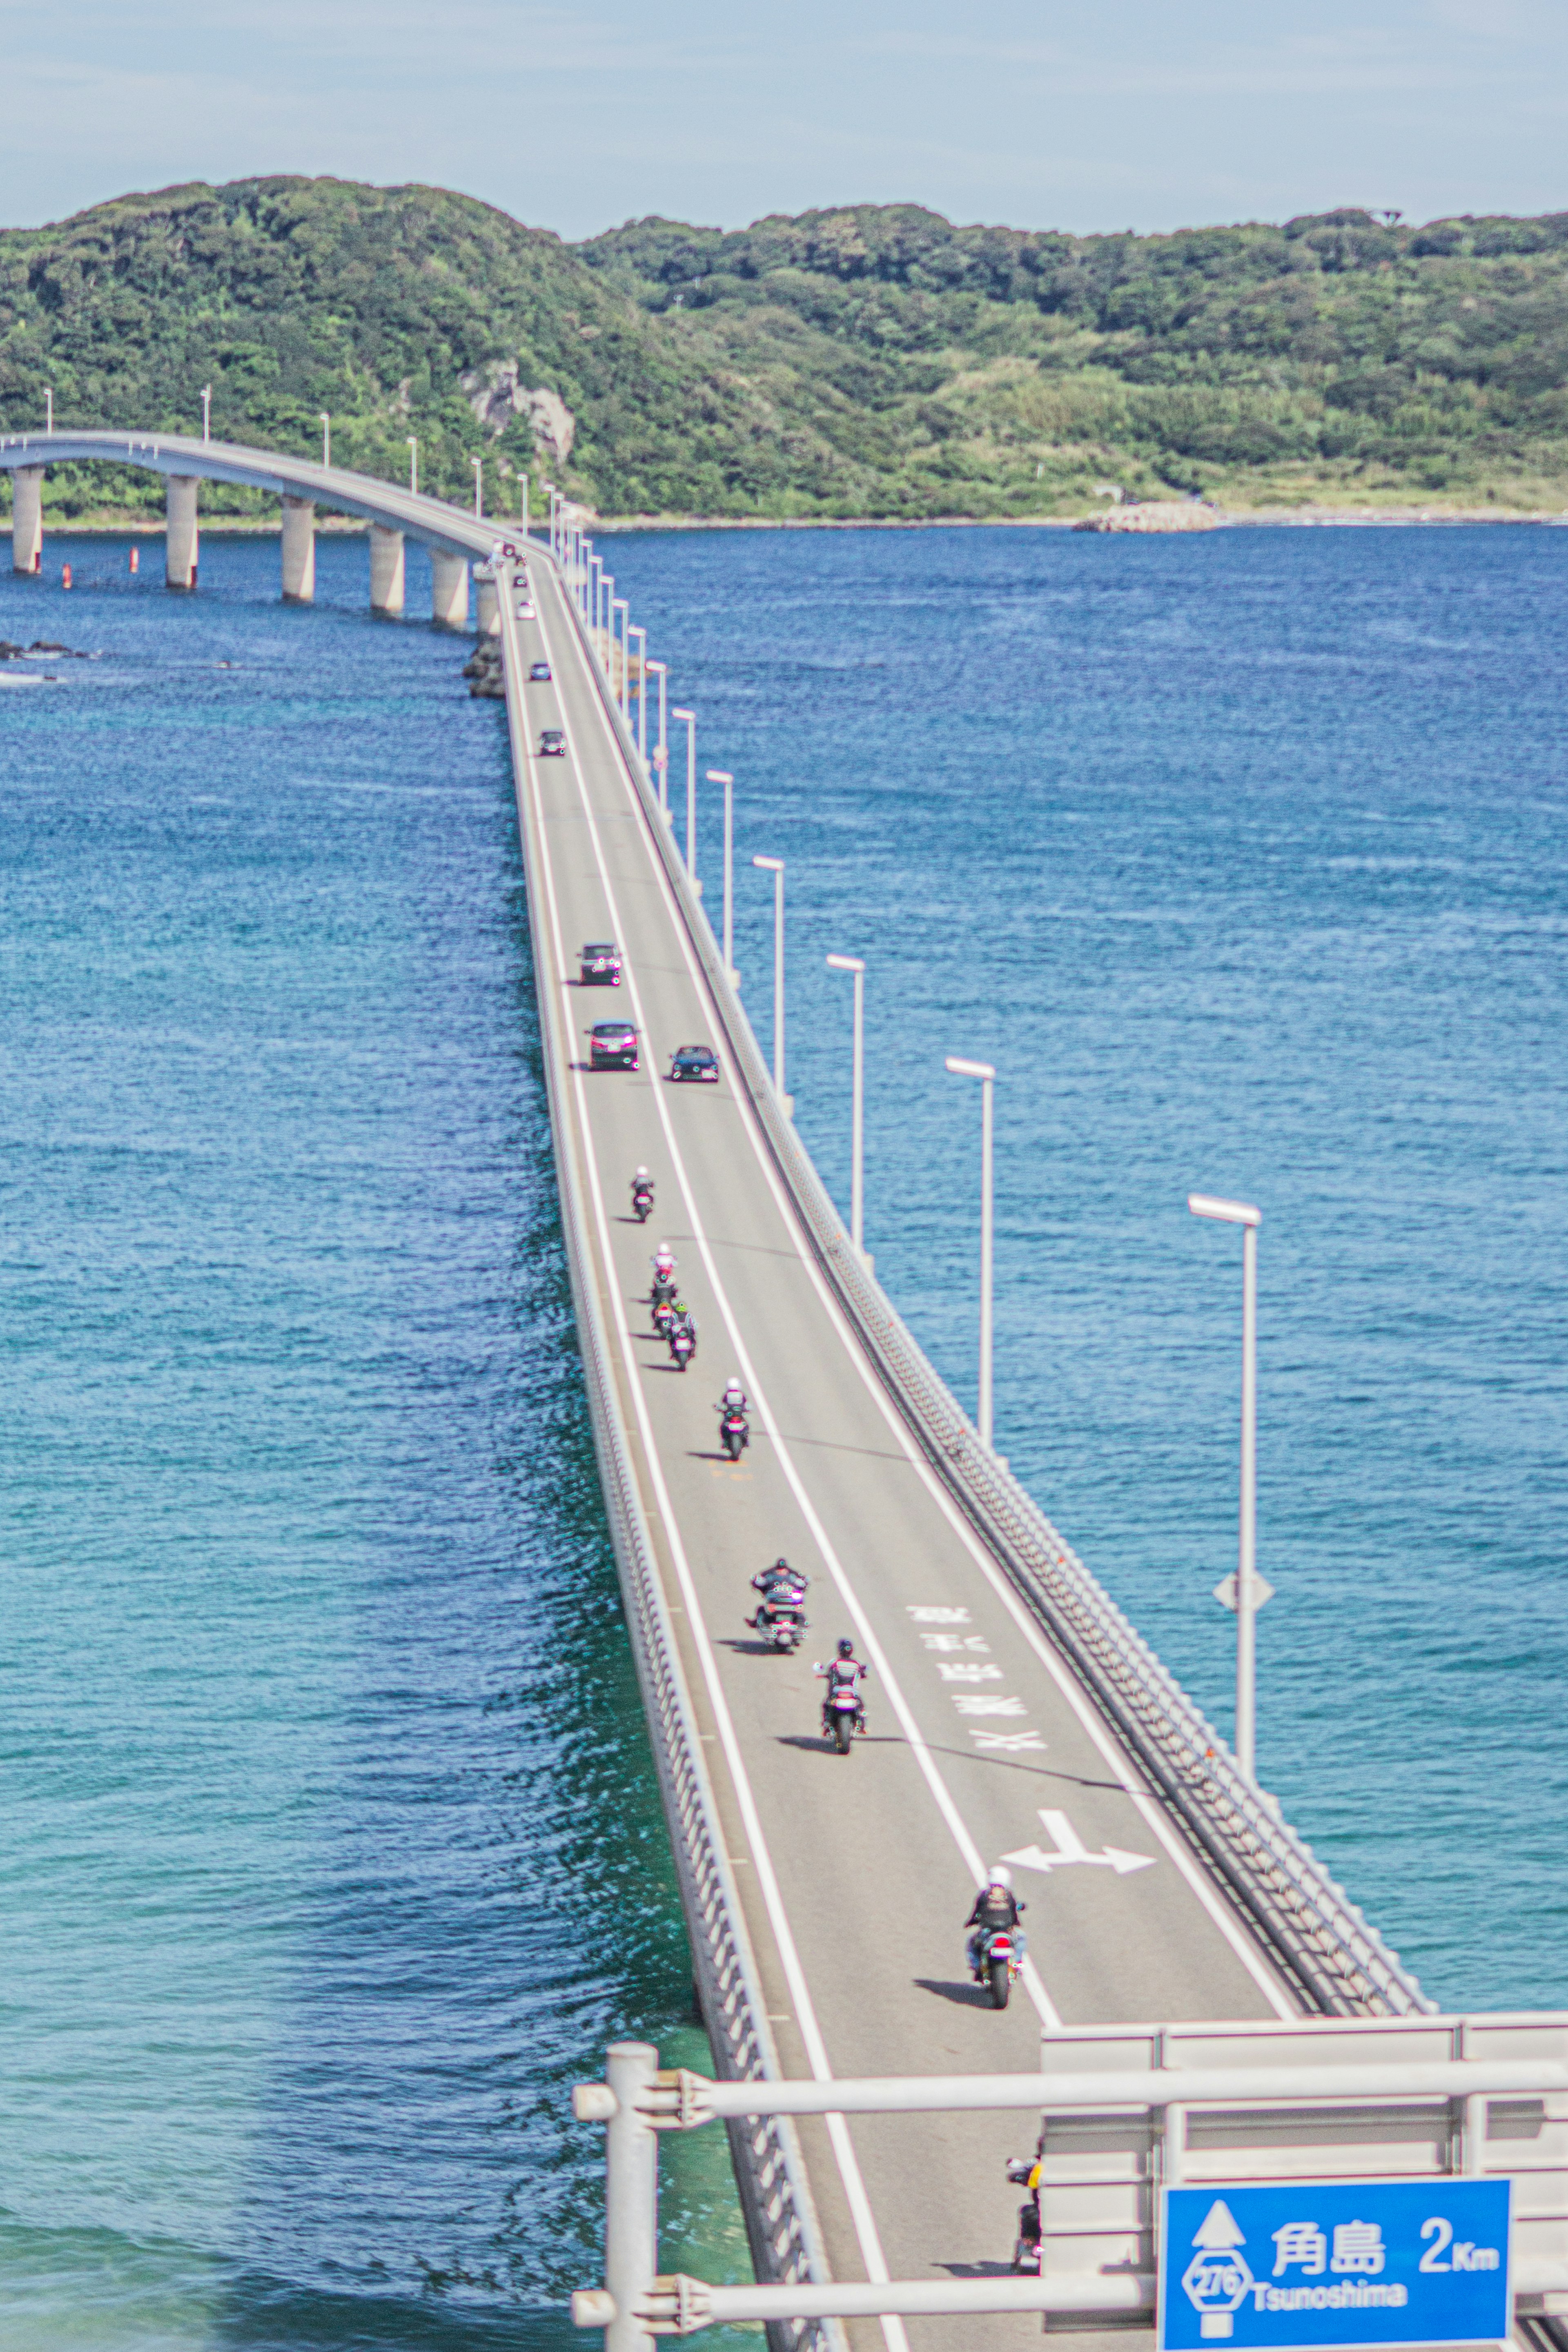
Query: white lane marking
point(877, 1656)
point(1007, 1743)
point(1071, 1848)
point(855, 2190)
point(937, 1616)
point(1094, 1727)
point(990, 1707)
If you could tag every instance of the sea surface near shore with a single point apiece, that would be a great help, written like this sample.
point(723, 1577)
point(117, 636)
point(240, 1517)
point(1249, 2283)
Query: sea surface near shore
point(1242, 857)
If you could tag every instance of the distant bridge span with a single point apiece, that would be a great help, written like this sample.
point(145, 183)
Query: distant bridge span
point(393, 514)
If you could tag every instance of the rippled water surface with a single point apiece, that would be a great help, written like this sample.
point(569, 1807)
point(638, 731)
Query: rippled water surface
point(1243, 859)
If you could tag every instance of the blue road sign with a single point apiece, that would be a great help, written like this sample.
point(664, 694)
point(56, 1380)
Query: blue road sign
point(1335, 2263)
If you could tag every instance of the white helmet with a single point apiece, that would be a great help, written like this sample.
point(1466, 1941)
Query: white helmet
point(1000, 1876)
point(642, 1171)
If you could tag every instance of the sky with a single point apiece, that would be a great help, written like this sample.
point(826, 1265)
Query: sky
point(1119, 114)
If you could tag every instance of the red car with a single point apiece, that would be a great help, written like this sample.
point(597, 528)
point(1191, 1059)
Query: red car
point(612, 1045)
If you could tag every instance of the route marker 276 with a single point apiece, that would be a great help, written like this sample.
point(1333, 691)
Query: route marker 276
point(1340, 2263)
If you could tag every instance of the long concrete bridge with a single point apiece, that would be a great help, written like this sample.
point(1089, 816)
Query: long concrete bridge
point(1014, 1711)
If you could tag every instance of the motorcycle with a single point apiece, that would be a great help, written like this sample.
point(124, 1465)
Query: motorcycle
point(996, 1962)
point(663, 1317)
point(841, 1716)
point(782, 1622)
point(1026, 2246)
point(734, 1433)
point(642, 1203)
point(683, 1347)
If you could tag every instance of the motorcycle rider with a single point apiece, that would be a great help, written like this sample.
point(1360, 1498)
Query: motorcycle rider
point(995, 1913)
point(1025, 2172)
point(663, 1285)
point(734, 1397)
point(846, 1672)
point(682, 1320)
point(642, 1191)
point(781, 1587)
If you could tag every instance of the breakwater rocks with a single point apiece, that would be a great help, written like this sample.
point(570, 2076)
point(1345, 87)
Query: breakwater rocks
point(484, 673)
point(1158, 514)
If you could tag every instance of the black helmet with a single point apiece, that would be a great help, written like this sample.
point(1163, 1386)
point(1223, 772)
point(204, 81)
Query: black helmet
point(781, 1562)
point(845, 1647)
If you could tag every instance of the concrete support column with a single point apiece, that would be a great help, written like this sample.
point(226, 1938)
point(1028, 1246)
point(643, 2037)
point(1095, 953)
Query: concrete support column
point(489, 609)
point(28, 520)
point(182, 544)
point(298, 551)
point(386, 567)
point(449, 590)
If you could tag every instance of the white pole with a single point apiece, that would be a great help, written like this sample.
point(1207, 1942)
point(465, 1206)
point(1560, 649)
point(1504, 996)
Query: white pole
point(1249, 1597)
point(1246, 1585)
point(478, 466)
point(986, 1074)
point(206, 413)
point(631, 2193)
point(722, 776)
point(326, 437)
point(525, 506)
point(855, 964)
point(661, 750)
point(641, 636)
point(776, 866)
point(412, 464)
point(48, 408)
point(691, 718)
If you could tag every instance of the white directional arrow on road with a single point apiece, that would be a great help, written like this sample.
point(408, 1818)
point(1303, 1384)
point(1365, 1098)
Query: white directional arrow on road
point(1071, 1848)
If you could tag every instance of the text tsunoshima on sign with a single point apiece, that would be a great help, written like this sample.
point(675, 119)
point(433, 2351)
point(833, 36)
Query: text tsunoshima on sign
point(1335, 2263)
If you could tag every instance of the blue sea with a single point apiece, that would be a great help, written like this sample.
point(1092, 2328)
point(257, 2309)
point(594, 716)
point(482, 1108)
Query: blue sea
point(1243, 856)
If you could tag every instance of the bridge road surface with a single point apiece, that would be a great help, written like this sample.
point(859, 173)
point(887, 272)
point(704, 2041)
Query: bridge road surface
point(855, 1873)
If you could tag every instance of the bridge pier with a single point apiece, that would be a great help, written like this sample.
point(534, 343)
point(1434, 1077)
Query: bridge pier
point(386, 571)
point(182, 542)
point(298, 551)
point(488, 615)
point(449, 590)
point(28, 520)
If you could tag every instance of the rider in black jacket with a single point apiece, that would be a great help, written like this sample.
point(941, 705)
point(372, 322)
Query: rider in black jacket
point(997, 1912)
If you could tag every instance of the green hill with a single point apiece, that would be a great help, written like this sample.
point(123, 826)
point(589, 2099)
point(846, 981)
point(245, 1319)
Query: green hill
point(873, 360)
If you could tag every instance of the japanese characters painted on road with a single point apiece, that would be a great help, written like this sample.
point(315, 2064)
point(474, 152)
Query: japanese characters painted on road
point(1337, 2262)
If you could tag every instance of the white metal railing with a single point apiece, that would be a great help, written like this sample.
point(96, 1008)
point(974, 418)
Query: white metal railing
point(637, 2101)
point(1320, 1938)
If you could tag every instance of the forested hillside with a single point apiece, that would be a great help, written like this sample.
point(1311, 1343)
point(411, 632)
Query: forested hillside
point(872, 360)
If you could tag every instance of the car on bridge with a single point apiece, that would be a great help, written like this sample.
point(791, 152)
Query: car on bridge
point(540, 674)
point(612, 1045)
point(700, 1063)
point(553, 744)
point(599, 965)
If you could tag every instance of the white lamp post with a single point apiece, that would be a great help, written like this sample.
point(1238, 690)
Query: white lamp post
point(691, 718)
point(607, 617)
point(326, 436)
point(413, 464)
point(1246, 1592)
point(986, 1074)
point(619, 604)
point(641, 636)
point(776, 866)
point(478, 466)
point(858, 1115)
point(722, 776)
point(48, 408)
point(206, 413)
point(661, 750)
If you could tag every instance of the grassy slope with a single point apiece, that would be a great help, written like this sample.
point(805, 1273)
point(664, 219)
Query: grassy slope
point(873, 360)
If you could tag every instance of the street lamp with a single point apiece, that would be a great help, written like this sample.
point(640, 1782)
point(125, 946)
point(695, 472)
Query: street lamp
point(478, 466)
point(412, 464)
point(691, 718)
point(206, 413)
point(858, 1115)
point(661, 750)
point(984, 1072)
point(776, 866)
point(326, 436)
point(722, 776)
point(1246, 1591)
point(641, 636)
point(48, 408)
point(619, 604)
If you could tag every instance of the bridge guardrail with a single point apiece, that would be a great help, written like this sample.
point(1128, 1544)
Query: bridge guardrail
point(786, 2244)
point(1337, 1960)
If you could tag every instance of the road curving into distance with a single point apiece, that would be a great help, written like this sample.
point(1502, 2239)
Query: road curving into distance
point(854, 1874)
